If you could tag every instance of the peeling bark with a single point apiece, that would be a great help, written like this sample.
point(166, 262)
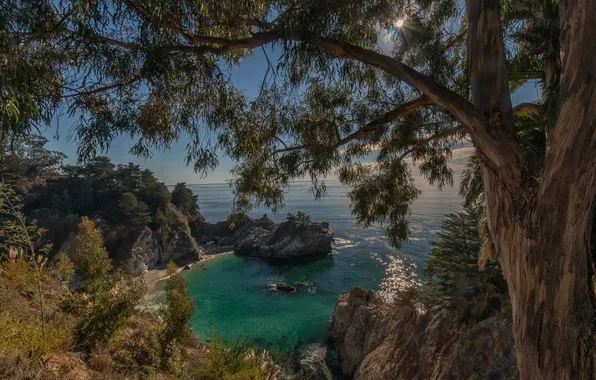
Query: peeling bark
point(541, 229)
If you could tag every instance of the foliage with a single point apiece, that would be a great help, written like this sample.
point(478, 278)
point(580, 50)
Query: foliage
point(131, 211)
point(16, 230)
point(64, 269)
point(91, 260)
point(454, 276)
point(24, 161)
point(137, 349)
point(237, 361)
point(22, 243)
point(184, 198)
point(112, 305)
point(26, 337)
point(300, 219)
point(313, 114)
point(178, 310)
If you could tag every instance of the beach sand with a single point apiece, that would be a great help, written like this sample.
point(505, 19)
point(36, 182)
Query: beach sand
point(155, 276)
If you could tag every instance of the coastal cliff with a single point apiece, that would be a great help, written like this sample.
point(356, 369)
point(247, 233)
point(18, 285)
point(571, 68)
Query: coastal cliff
point(139, 248)
point(380, 341)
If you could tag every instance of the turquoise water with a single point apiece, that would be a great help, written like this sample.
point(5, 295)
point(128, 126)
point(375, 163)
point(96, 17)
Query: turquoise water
point(232, 299)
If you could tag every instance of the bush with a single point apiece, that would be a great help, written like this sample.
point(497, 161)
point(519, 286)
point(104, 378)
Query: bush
point(88, 254)
point(238, 361)
point(300, 219)
point(113, 303)
point(178, 310)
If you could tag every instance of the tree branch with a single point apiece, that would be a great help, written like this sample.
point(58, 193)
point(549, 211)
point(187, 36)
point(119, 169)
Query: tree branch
point(400, 111)
point(438, 136)
point(101, 89)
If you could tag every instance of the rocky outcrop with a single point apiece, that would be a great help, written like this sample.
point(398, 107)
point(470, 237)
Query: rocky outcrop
point(222, 233)
point(139, 248)
point(283, 287)
point(379, 341)
point(264, 239)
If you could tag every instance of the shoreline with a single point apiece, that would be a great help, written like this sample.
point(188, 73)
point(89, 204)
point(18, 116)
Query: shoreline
point(154, 277)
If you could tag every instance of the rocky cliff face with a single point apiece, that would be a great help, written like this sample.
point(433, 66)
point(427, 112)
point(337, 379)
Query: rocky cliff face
point(139, 248)
point(378, 341)
point(264, 239)
point(144, 248)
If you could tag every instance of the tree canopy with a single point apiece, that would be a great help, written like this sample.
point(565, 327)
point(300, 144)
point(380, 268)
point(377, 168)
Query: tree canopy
point(161, 70)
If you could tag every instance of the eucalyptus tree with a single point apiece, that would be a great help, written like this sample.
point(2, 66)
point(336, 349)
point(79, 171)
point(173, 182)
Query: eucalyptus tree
point(352, 80)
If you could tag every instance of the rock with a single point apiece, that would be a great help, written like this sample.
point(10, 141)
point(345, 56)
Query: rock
point(376, 340)
point(283, 287)
point(304, 284)
point(286, 240)
point(313, 362)
point(186, 267)
point(139, 251)
point(264, 239)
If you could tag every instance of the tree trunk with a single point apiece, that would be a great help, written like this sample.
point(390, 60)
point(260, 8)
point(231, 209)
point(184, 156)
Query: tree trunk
point(541, 227)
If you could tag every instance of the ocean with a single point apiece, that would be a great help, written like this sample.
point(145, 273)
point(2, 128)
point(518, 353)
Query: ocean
point(231, 294)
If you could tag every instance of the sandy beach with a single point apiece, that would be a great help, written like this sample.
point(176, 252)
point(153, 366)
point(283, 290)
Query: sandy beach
point(155, 276)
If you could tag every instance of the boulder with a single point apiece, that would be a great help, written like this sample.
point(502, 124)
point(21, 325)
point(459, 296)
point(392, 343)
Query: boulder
point(379, 341)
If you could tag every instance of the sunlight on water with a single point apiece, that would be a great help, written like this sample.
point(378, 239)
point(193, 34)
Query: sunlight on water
point(232, 294)
point(400, 276)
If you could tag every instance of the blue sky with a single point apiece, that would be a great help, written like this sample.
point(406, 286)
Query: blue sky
point(169, 166)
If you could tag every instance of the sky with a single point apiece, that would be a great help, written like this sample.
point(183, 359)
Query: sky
point(169, 166)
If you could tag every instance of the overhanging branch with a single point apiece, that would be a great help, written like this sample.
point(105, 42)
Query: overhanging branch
point(396, 113)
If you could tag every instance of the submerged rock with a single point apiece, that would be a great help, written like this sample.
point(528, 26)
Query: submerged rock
point(283, 287)
point(379, 341)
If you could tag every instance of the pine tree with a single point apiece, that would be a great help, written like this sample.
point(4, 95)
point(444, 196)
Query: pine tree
point(131, 211)
point(453, 271)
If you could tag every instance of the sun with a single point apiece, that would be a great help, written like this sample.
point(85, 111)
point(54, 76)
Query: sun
point(400, 23)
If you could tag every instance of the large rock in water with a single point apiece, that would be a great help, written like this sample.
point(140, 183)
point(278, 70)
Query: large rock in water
point(286, 240)
point(378, 341)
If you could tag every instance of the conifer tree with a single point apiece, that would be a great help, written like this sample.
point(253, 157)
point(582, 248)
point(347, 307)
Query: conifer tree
point(131, 211)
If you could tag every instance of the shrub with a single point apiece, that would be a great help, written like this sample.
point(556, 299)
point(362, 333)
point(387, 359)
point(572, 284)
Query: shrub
point(238, 361)
point(89, 256)
point(300, 219)
point(113, 303)
point(178, 310)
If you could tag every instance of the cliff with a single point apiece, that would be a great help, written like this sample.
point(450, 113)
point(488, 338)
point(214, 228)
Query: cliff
point(140, 248)
point(378, 341)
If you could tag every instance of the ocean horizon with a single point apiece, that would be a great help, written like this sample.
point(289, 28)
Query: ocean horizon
point(231, 293)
